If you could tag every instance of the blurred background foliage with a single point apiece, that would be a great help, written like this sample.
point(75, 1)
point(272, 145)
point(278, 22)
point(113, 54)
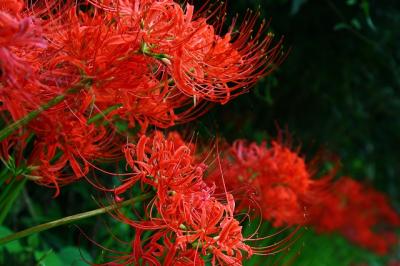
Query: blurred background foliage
point(338, 90)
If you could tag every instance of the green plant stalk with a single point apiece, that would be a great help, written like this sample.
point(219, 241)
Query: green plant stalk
point(71, 219)
point(103, 113)
point(6, 191)
point(11, 197)
point(5, 132)
point(8, 130)
point(3, 176)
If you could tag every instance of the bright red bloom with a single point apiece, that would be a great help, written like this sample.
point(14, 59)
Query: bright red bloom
point(217, 68)
point(202, 63)
point(279, 180)
point(110, 50)
point(190, 220)
point(277, 175)
point(13, 7)
point(148, 62)
point(71, 144)
point(360, 213)
point(19, 40)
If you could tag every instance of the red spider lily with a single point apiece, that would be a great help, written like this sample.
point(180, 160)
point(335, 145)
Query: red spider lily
point(154, 60)
point(149, 251)
point(184, 215)
point(13, 7)
point(202, 64)
point(67, 63)
point(19, 40)
point(360, 213)
point(108, 48)
point(287, 195)
point(217, 68)
point(71, 144)
point(277, 176)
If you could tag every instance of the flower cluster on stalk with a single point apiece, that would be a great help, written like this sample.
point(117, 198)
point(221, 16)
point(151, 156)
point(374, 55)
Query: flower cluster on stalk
point(148, 62)
point(360, 213)
point(276, 176)
point(191, 221)
point(280, 182)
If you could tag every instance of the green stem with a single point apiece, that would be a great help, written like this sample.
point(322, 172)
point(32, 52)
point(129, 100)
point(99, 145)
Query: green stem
point(8, 130)
point(3, 175)
point(71, 219)
point(103, 113)
point(11, 197)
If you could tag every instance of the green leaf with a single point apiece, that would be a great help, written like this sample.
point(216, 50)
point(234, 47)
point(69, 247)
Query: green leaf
point(48, 258)
point(7, 202)
point(341, 26)
point(121, 125)
point(370, 23)
point(102, 114)
point(71, 219)
point(365, 8)
point(296, 5)
point(356, 24)
point(12, 247)
point(351, 2)
point(73, 256)
point(33, 241)
point(4, 175)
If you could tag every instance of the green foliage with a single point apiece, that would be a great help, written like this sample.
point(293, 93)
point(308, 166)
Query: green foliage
point(306, 247)
point(35, 251)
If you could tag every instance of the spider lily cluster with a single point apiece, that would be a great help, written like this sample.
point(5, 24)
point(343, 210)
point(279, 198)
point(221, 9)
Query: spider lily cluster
point(75, 69)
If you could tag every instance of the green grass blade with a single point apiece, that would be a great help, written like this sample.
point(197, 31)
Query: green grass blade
point(71, 219)
point(102, 114)
point(11, 197)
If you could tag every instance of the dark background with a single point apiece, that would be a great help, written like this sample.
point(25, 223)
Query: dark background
point(338, 89)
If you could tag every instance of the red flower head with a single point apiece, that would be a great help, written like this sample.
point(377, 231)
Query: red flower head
point(185, 215)
point(277, 175)
point(19, 40)
point(200, 62)
point(361, 214)
point(217, 68)
point(13, 7)
point(148, 62)
point(109, 49)
point(67, 141)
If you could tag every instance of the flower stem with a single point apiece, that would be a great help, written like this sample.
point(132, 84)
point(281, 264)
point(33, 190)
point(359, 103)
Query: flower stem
point(10, 197)
point(5, 132)
point(71, 219)
point(8, 130)
point(103, 113)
